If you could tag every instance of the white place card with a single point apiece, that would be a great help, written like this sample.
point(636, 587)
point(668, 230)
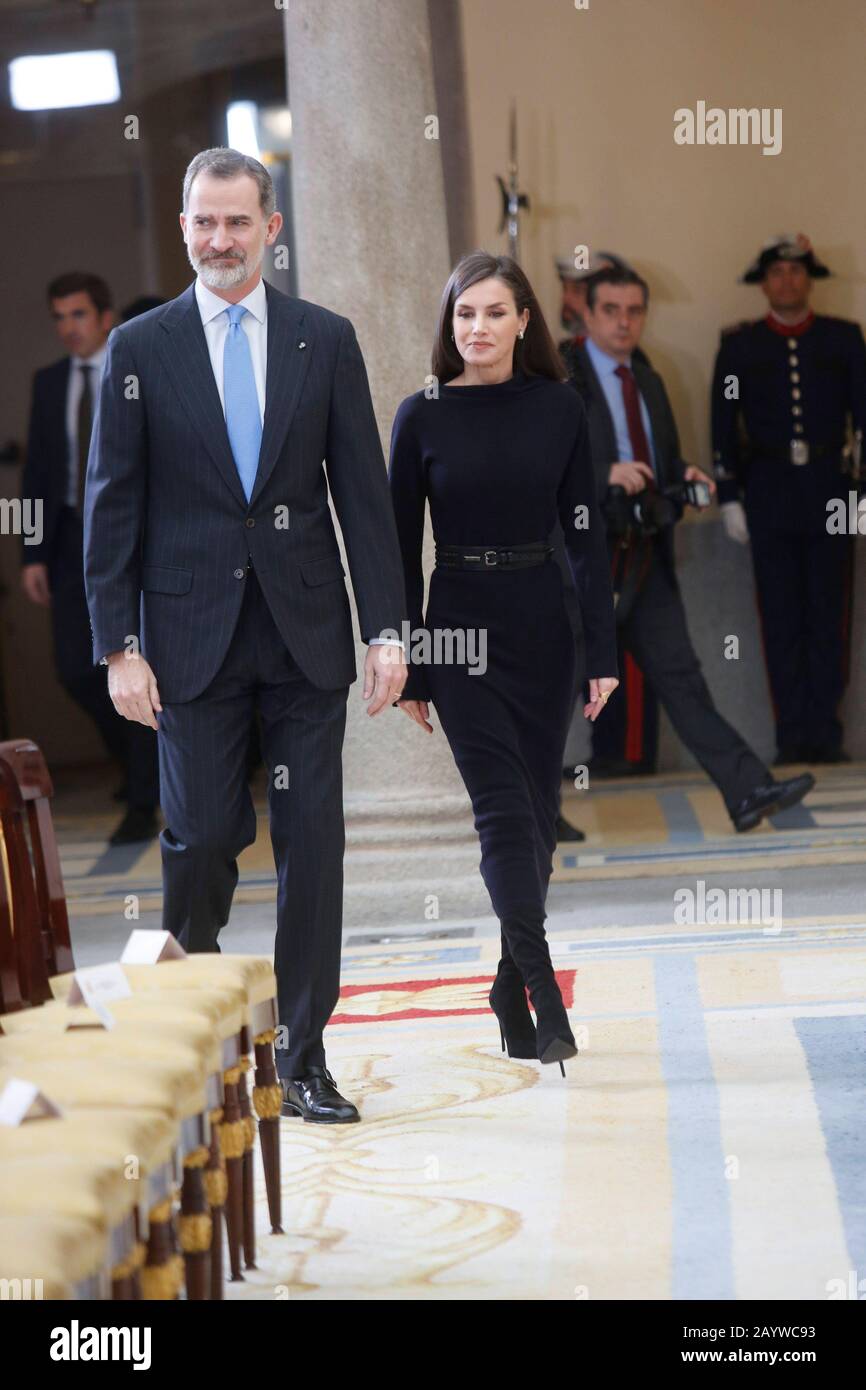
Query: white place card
point(21, 1100)
point(97, 985)
point(148, 947)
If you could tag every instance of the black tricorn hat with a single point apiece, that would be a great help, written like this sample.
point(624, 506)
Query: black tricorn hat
point(785, 248)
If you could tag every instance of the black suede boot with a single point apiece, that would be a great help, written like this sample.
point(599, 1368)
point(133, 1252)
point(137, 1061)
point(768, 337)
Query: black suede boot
point(527, 943)
point(509, 1003)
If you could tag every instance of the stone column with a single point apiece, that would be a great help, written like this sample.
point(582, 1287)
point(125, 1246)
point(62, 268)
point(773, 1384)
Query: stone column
point(371, 234)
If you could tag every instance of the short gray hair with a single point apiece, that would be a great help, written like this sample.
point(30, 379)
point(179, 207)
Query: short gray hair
point(225, 163)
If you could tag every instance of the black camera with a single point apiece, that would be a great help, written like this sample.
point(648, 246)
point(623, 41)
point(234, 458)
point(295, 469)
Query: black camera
point(651, 510)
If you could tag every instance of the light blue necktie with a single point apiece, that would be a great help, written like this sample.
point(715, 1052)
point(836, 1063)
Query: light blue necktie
point(243, 420)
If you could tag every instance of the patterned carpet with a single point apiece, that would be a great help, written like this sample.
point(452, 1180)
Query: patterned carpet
point(707, 1143)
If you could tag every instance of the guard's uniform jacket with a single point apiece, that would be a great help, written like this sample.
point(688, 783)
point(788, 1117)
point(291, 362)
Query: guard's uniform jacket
point(788, 408)
point(780, 447)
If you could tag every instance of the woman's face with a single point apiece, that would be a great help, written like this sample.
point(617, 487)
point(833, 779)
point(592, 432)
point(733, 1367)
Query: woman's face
point(486, 323)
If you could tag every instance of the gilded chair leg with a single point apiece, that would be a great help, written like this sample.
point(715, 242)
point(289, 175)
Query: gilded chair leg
point(267, 1099)
point(162, 1273)
point(249, 1236)
point(233, 1144)
point(195, 1226)
point(216, 1188)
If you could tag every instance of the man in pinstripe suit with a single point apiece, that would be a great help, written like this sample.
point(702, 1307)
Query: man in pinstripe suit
point(215, 586)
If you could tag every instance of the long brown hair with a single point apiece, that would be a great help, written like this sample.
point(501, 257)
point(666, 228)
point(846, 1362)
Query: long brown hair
point(535, 353)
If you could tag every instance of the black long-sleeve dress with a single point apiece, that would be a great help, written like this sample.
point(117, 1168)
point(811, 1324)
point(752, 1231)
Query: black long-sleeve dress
point(498, 465)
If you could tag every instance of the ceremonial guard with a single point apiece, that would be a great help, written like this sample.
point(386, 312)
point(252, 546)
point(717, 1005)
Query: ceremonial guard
point(788, 405)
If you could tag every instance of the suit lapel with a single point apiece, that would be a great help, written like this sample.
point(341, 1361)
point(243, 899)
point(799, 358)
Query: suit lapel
point(646, 384)
point(183, 348)
point(599, 405)
point(184, 352)
point(289, 352)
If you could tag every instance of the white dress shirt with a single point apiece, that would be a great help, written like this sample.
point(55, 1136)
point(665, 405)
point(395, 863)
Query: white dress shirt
point(215, 322)
point(254, 323)
point(606, 369)
point(74, 388)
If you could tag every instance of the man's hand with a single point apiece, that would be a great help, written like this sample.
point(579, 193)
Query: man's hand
point(385, 674)
point(34, 582)
point(599, 691)
point(734, 522)
point(132, 687)
point(693, 474)
point(630, 475)
point(418, 710)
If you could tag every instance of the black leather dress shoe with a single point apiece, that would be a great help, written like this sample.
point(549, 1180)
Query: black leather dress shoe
point(567, 833)
point(315, 1097)
point(771, 797)
point(139, 823)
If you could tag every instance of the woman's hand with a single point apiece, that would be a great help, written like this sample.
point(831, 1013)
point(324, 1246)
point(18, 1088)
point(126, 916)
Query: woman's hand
point(417, 710)
point(599, 690)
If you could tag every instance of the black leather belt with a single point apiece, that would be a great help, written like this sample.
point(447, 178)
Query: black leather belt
point(797, 451)
point(492, 557)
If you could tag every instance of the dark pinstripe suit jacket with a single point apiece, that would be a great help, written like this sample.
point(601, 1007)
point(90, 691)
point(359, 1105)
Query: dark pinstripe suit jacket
point(168, 530)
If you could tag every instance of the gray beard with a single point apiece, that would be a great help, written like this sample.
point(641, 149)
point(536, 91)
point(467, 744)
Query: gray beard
point(224, 277)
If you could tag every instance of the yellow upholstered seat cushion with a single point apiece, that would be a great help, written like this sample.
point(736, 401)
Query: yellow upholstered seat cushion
point(169, 1087)
point(129, 1139)
point(73, 1185)
point(164, 1033)
point(58, 1250)
point(123, 1043)
point(222, 1010)
point(254, 975)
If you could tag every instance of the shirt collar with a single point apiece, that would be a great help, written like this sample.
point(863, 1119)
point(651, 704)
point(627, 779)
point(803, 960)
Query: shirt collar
point(95, 359)
point(602, 361)
point(210, 304)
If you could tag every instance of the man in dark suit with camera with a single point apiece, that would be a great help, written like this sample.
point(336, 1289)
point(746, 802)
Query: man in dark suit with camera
point(643, 487)
point(207, 508)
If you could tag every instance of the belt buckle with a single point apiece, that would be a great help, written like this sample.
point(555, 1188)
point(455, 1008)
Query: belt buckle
point(487, 559)
point(799, 451)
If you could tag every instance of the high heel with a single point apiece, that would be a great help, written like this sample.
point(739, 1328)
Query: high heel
point(553, 1031)
point(507, 999)
point(524, 931)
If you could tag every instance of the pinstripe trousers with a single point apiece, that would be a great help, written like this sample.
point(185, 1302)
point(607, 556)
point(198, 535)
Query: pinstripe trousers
point(210, 818)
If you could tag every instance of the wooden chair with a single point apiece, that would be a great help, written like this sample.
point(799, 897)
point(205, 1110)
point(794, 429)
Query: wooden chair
point(47, 950)
point(25, 759)
point(23, 977)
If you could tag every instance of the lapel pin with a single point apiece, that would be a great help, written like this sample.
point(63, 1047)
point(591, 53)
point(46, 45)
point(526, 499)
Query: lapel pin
point(302, 344)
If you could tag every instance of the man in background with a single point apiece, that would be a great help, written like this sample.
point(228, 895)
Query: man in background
point(63, 405)
point(643, 484)
point(625, 742)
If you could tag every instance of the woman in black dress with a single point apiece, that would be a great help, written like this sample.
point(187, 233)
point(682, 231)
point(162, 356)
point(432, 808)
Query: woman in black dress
point(498, 446)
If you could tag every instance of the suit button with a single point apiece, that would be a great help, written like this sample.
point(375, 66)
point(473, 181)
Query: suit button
point(250, 521)
point(239, 574)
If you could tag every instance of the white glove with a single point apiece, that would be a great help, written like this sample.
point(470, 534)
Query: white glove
point(734, 521)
